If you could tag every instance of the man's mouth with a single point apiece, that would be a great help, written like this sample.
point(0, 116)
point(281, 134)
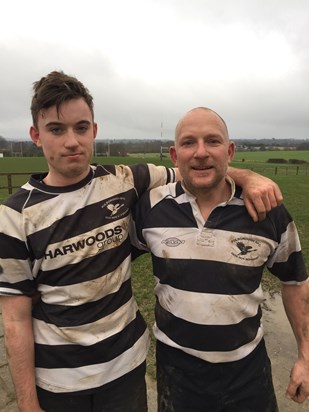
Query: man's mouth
point(202, 167)
point(72, 154)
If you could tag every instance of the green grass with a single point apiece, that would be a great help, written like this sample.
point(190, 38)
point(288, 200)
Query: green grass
point(263, 156)
point(295, 189)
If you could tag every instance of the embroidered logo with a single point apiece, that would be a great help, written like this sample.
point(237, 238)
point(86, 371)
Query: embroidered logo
point(245, 248)
point(172, 242)
point(115, 207)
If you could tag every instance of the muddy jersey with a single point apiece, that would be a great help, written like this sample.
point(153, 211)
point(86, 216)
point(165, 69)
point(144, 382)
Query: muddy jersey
point(208, 274)
point(71, 245)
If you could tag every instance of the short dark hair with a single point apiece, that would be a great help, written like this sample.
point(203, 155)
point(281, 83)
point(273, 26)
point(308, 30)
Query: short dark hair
point(54, 89)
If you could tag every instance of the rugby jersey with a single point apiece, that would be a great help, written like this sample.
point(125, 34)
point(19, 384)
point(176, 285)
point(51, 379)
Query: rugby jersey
point(71, 244)
point(208, 274)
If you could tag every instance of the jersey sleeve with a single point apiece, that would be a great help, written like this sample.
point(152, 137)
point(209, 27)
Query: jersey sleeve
point(149, 176)
point(139, 213)
point(15, 263)
point(287, 262)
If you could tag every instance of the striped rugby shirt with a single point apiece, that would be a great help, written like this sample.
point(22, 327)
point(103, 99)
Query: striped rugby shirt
point(71, 244)
point(208, 274)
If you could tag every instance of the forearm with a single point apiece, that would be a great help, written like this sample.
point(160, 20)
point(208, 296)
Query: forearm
point(19, 345)
point(239, 175)
point(296, 304)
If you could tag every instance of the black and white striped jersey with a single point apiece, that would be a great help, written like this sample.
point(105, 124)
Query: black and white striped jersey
point(208, 274)
point(71, 244)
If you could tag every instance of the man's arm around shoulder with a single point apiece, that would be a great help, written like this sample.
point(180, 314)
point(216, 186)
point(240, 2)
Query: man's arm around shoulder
point(260, 193)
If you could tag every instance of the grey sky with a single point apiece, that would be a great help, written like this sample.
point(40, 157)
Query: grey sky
point(147, 62)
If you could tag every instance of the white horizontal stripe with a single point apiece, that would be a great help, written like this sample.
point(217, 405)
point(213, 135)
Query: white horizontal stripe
point(236, 201)
point(90, 291)
point(214, 357)
point(92, 376)
point(156, 195)
point(293, 282)
point(10, 222)
point(209, 244)
point(206, 308)
point(289, 243)
point(87, 334)
point(15, 270)
point(158, 175)
point(9, 292)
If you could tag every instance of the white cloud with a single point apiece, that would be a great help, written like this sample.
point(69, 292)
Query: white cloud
point(147, 62)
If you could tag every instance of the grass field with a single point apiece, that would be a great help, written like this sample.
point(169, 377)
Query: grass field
point(263, 156)
point(295, 189)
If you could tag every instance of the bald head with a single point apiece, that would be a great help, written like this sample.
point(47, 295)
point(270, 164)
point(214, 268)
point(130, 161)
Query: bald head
point(200, 111)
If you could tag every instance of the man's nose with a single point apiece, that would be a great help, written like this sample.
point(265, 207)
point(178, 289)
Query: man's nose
point(71, 139)
point(201, 150)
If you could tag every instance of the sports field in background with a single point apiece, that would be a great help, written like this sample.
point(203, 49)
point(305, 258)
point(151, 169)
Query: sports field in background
point(292, 179)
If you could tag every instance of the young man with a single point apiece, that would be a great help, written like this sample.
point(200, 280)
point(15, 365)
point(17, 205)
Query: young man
point(64, 235)
point(208, 260)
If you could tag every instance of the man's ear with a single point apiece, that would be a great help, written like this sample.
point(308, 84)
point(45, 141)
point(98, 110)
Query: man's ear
point(231, 150)
point(35, 136)
point(95, 130)
point(173, 155)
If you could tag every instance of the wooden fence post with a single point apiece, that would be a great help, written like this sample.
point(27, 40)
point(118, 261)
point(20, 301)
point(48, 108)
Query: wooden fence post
point(10, 188)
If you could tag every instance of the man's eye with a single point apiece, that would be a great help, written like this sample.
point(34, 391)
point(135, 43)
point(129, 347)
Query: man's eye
point(82, 129)
point(187, 142)
point(55, 130)
point(213, 142)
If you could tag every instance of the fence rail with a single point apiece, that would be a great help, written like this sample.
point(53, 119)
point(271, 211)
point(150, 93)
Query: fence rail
point(11, 181)
point(10, 184)
point(281, 170)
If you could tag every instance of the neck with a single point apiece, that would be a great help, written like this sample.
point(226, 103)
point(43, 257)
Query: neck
point(207, 200)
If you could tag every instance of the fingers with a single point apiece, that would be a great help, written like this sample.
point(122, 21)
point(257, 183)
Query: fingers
point(296, 393)
point(262, 202)
point(278, 196)
point(251, 210)
point(261, 197)
point(272, 197)
point(298, 389)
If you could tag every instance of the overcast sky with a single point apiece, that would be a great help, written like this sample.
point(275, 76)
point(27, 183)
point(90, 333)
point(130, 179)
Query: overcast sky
point(147, 62)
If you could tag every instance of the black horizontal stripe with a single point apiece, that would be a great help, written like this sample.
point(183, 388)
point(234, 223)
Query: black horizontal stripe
point(169, 213)
point(74, 356)
point(103, 170)
point(12, 248)
point(27, 287)
point(212, 338)
point(207, 277)
point(84, 220)
point(17, 200)
point(163, 216)
point(69, 316)
point(92, 268)
point(141, 177)
point(38, 197)
point(299, 268)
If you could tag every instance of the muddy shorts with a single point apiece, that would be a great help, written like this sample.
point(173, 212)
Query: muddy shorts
point(188, 384)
